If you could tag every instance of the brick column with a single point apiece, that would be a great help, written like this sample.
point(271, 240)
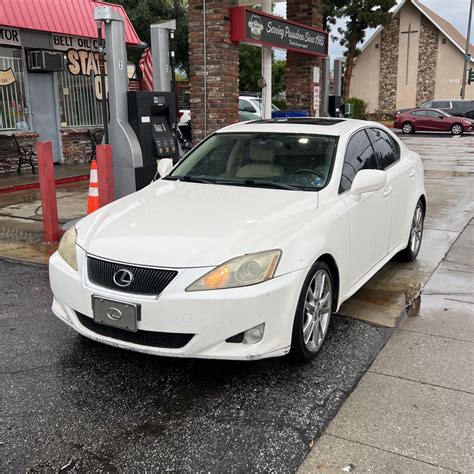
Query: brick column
point(299, 93)
point(222, 67)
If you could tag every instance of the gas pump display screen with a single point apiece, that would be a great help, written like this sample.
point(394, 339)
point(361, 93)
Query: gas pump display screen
point(159, 127)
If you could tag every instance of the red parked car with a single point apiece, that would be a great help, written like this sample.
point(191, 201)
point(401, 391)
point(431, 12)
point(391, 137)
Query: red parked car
point(432, 120)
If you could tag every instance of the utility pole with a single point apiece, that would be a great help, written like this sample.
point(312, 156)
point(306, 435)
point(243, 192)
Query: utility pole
point(466, 55)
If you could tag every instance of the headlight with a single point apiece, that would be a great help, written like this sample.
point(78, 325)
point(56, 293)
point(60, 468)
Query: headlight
point(241, 271)
point(67, 247)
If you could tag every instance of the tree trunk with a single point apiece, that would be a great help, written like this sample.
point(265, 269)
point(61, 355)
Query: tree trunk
point(348, 71)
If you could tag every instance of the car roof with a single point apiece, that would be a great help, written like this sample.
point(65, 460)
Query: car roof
point(316, 126)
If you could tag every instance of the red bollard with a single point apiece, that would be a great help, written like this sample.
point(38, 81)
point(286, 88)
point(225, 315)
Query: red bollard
point(44, 152)
point(105, 174)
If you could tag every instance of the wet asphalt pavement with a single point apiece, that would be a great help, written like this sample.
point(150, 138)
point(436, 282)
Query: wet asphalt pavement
point(72, 404)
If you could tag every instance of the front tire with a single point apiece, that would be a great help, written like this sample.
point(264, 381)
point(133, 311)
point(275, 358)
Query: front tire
point(313, 313)
point(457, 129)
point(411, 251)
point(408, 128)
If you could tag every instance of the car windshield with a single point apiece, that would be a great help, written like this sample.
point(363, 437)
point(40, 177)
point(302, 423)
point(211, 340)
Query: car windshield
point(270, 160)
point(258, 103)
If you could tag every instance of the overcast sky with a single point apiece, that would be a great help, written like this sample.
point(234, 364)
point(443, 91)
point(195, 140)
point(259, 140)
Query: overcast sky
point(455, 11)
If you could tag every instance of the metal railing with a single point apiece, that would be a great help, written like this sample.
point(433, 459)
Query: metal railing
point(78, 104)
point(12, 96)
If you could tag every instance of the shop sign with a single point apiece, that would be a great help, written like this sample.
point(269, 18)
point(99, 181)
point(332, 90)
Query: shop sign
point(7, 77)
point(65, 42)
point(252, 26)
point(10, 36)
point(82, 58)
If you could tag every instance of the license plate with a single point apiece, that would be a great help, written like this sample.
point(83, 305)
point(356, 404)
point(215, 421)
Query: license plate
point(115, 313)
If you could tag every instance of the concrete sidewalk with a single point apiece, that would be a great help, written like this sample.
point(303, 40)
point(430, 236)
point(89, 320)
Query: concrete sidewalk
point(413, 410)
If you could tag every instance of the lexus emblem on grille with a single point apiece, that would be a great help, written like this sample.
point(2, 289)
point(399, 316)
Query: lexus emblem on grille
point(123, 277)
point(114, 314)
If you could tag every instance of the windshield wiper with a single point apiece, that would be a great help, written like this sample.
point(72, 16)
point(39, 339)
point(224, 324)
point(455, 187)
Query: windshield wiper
point(257, 182)
point(190, 179)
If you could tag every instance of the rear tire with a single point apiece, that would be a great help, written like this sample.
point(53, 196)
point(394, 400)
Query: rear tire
point(411, 251)
point(407, 128)
point(457, 129)
point(313, 313)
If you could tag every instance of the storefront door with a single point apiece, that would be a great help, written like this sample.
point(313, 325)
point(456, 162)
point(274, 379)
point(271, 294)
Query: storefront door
point(43, 104)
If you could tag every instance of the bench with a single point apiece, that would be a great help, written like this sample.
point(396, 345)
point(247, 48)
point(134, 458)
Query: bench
point(15, 146)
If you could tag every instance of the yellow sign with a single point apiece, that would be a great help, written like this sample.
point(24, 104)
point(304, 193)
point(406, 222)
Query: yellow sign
point(7, 77)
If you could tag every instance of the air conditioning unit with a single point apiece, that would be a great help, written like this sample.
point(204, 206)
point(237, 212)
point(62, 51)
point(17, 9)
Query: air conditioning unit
point(43, 60)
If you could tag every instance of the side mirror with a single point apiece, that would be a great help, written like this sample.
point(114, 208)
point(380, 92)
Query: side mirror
point(165, 165)
point(367, 181)
point(441, 116)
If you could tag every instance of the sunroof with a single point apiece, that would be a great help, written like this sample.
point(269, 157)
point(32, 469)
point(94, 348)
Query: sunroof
point(300, 121)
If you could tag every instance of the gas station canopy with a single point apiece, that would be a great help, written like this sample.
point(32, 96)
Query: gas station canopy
point(71, 17)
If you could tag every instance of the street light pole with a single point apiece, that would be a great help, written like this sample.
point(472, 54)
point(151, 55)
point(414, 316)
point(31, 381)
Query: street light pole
point(468, 44)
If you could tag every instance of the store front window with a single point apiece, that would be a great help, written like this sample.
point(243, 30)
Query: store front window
point(13, 110)
point(79, 106)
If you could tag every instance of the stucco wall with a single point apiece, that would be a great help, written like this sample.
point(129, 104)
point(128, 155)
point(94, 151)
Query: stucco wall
point(406, 88)
point(449, 72)
point(366, 75)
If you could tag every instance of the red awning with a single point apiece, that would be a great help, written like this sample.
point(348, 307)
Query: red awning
point(67, 17)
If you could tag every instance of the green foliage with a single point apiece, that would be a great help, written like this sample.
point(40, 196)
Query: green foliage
point(278, 77)
point(250, 67)
point(359, 105)
point(143, 13)
point(250, 70)
point(362, 14)
point(280, 103)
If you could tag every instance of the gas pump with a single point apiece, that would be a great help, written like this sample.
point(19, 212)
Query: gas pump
point(152, 116)
point(142, 125)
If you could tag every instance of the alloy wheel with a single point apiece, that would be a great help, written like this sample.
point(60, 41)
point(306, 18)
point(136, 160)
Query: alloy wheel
point(456, 129)
point(317, 310)
point(416, 230)
point(407, 128)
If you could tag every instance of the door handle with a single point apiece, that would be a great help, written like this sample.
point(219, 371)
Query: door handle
point(411, 173)
point(387, 192)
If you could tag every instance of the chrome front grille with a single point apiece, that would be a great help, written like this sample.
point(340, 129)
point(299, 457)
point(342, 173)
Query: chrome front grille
point(145, 281)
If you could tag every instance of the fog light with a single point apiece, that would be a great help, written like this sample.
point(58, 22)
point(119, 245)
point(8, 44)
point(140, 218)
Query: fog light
point(254, 335)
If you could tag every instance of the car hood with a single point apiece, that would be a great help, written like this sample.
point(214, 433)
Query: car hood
point(178, 224)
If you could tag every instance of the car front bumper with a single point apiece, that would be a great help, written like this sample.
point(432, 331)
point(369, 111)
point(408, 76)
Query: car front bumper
point(211, 316)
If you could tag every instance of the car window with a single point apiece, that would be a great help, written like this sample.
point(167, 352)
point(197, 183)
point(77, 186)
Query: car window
point(426, 105)
point(419, 113)
point(433, 114)
point(244, 103)
point(257, 159)
point(441, 104)
point(463, 105)
point(387, 149)
point(360, 155)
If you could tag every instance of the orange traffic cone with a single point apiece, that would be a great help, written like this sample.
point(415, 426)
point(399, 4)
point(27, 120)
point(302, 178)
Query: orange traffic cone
point(93, 199)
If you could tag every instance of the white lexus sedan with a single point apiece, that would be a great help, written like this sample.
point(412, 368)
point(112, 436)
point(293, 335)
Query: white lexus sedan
point(247, 246)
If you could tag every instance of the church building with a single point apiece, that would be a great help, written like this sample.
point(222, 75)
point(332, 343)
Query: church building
point(417, 57)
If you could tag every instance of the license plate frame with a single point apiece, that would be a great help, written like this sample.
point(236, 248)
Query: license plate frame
point(117, 314)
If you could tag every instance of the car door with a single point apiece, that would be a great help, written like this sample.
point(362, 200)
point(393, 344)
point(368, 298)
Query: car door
point(401, 183)
point(438, 121)
point(369, 217)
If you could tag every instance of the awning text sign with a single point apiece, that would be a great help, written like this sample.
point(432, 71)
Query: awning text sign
point(252, 26)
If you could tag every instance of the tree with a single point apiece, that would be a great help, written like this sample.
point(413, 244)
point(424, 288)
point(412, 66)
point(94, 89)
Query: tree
point(250, 58)
point(360, 14)
point(143, 13)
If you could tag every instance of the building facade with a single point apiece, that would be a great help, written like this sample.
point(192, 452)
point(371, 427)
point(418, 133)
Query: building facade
point(62, 107)
point(418, 57)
